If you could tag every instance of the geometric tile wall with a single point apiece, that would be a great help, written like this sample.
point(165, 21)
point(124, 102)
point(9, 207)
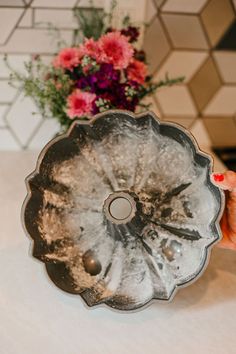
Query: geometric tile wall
point(186, 36)
point(182, 37)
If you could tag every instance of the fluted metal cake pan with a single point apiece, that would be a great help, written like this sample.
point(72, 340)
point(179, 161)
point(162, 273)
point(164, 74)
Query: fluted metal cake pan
point(121, 209)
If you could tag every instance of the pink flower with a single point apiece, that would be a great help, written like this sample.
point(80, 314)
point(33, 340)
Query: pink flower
point(91, 48)
point(116, 49)
point(80, 103)
point(137, 71)
point(68, 58)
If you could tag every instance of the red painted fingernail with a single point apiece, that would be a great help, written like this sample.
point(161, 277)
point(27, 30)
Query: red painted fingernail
point(218, 177)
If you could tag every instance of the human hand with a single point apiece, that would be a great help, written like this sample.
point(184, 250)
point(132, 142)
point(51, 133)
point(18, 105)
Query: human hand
point(227, 182)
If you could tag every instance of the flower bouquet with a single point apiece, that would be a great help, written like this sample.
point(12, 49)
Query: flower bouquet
point(104, 71)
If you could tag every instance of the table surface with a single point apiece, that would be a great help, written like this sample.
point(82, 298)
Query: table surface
point(37, 317)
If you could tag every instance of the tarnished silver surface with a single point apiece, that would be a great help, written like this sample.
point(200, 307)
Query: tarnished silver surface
point(121, 209)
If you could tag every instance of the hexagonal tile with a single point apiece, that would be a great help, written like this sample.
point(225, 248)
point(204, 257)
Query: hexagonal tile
point(21, 119)
point(201, 134)
point(8, 19)
point(7, 141)
point(60, 18)
point(181, 63)
point(159, 3)
point(3, 110)
point(223, 102)
point(227, 41)
point(153, 105)
point(18, 3)
point(151, 11)
point(217, 16)
point(8, 92)
point(222, 131)
point(184, 6)
point(176, 101)
point(178, 25)
point(27, 19)
point(226, 61)
point(205, 83)
point(185, 122)
point(155, 45)
point(87, 3)
point(58, 3)
point(47, 130)
point(32, 40)
point(136, 9)
point(15, 61)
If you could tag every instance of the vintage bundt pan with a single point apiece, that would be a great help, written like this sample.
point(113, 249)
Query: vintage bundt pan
point(121, 209)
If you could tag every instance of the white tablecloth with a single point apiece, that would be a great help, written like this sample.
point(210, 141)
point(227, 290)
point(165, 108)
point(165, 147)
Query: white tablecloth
point(36, 317)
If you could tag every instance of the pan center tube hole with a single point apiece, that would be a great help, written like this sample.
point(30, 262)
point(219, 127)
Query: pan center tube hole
point(119, 207)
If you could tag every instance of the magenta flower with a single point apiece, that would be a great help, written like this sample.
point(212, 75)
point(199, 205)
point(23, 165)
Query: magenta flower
point(106, 76)
point(116, 50)
point(67, 58)
point(80, 103)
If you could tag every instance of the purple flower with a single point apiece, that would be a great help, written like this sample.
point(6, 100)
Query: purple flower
point(82, 83)
point(88, 82)
point(121, 100)
point(95, 108)
point(106, 76)
point(102, 79)
point(140, 55)
point(131, 32)
point(117, 97)
point(110, 92)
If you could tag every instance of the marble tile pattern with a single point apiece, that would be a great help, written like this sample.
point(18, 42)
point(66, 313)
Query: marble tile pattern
point(181, 39)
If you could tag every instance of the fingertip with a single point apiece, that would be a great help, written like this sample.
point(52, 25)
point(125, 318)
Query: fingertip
point(218, 177)
point(230, 177)
point(226, 180)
